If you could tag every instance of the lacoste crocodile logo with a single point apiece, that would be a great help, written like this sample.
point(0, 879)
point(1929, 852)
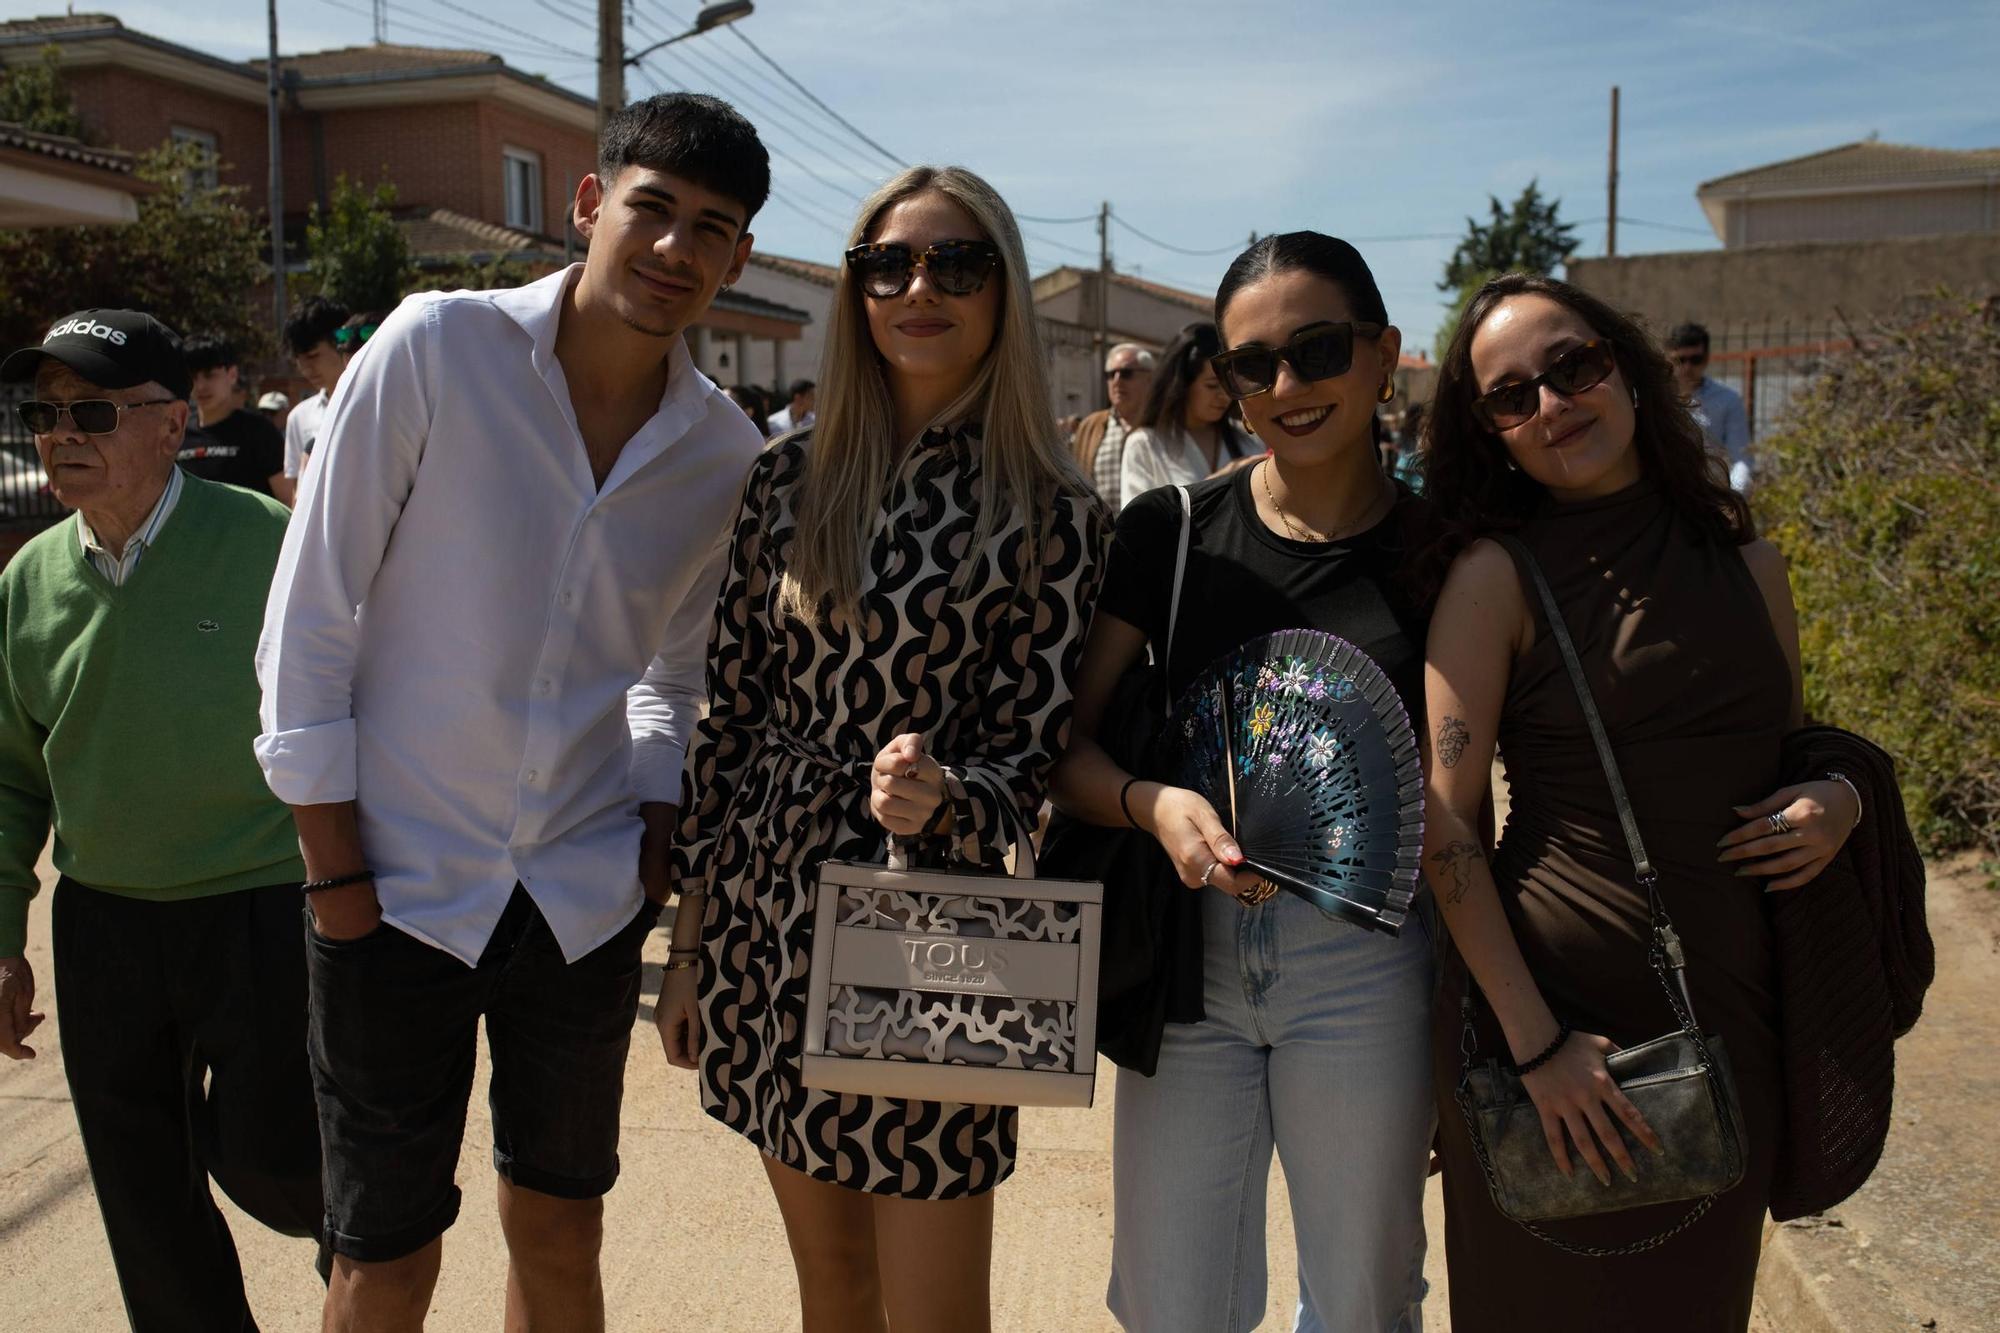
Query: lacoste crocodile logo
point(208, 626)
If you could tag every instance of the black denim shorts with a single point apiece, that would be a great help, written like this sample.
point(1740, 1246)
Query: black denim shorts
point(392, 1033)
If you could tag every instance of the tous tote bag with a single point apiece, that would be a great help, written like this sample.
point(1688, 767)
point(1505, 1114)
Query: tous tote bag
point(954, 986)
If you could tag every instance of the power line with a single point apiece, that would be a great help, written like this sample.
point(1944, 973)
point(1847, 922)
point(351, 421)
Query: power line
point(660, 76)
point(1056, 222)
point(1169, 245)
point(429, 30)
point(509, 28)
point(786, 75)
point(1666, 226)
point(704, 70)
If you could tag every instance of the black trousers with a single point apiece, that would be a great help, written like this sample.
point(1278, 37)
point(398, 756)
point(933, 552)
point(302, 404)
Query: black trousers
point(183, 1029)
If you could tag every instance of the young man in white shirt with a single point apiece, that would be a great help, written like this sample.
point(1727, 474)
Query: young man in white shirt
point(520, 518)
point(309, 338)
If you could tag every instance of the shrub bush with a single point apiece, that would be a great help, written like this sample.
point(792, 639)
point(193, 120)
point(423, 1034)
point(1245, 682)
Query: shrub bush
point(1882, 487)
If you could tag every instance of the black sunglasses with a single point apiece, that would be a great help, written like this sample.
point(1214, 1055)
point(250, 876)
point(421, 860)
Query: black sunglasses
point(1315, 352)
point(957, 268)
point(93, 416)
point(1126, 373)
point(1582, 367)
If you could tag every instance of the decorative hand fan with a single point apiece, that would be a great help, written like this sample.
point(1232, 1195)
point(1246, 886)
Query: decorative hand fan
point(1300, 742)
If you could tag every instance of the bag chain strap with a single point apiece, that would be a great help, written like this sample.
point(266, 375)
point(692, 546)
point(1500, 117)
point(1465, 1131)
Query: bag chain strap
point(1666, 955)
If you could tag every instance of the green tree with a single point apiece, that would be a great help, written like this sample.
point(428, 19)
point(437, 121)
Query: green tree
point(1528, 237)
point(1879, 486)
point(33, 96)
point(355, 252)
point(194, 259)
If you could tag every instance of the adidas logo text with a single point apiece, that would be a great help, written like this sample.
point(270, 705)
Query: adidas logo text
point(116, 337)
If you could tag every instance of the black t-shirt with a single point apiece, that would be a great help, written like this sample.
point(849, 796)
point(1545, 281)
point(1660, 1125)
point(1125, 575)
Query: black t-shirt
point(1244, 580)
point(242, 449)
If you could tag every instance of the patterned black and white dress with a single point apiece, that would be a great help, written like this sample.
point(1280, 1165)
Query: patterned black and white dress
point(777, 781)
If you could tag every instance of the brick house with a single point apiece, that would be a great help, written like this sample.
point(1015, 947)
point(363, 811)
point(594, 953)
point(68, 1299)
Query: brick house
point(485, 158)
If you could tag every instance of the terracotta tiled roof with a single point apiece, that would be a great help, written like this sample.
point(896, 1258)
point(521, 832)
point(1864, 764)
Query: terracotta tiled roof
point(823, 274)
point(383, 58)
point(440, 231)
point(65, 149)
point(55, 25)
point(1864, 163)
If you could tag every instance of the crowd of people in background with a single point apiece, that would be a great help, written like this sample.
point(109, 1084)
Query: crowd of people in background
point(552, 642)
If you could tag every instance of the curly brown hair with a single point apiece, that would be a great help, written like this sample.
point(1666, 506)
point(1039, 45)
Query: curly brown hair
point(1466, 472)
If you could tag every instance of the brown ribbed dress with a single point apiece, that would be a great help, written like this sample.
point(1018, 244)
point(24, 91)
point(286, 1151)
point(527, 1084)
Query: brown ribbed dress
point(1695, 694)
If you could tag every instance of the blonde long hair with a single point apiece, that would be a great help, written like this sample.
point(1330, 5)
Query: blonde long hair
point(853, 447)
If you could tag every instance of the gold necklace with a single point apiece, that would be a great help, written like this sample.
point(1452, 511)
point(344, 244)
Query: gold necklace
point(1294, 530)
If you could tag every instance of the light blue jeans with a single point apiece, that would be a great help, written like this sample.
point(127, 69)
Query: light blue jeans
point(1316, 1042)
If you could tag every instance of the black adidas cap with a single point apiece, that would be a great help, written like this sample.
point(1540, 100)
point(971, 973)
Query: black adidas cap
point(113, 349)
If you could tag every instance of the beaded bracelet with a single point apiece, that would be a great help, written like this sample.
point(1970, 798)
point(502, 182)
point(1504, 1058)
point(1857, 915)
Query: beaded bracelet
point(1527, 1067)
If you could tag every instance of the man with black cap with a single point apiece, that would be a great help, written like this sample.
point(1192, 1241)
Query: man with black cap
point(128, 708)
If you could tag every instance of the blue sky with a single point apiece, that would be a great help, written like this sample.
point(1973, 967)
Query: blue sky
point(1202, 122)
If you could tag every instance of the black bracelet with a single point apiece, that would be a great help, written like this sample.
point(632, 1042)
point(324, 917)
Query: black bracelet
point(1527, 1067)
point(337, 882)
point(1123, 792)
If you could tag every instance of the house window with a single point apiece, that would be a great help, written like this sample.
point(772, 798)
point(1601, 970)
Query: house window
point(523, 174)
point(203, 177)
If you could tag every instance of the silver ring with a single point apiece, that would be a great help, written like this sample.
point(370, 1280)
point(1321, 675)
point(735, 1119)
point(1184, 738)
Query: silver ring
point(1780, 824)
point(1210, 871)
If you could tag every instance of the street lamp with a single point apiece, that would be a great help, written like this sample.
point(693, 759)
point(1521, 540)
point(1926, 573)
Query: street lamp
point(711, 16)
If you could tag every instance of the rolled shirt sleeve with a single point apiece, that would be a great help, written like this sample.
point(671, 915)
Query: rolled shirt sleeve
point(370, 443)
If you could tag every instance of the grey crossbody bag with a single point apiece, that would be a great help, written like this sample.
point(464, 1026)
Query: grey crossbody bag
point(1680, 1082)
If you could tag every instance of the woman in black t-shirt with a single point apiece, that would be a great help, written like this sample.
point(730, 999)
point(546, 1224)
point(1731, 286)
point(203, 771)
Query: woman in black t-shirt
point(1310, 1032)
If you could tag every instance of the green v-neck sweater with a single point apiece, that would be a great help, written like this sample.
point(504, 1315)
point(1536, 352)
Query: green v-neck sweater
point(127, 714)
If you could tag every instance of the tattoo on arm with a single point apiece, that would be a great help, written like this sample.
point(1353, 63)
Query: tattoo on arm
point(1452, 740)
point(1454, 869)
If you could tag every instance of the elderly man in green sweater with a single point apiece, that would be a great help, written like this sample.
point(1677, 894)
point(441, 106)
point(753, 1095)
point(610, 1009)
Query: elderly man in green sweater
point(128, 707)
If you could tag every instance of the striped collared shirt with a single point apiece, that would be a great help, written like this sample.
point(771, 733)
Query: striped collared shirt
point(117, 568)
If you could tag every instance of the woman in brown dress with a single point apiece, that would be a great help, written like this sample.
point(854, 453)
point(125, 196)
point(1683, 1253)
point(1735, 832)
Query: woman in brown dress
point(1556, 419)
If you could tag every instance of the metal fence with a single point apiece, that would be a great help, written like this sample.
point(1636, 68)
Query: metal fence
point(24, 488)
point(1770, 364)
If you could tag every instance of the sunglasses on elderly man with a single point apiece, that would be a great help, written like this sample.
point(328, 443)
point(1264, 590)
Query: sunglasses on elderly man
point(957, 268)
point(1582, 367)
point(92, 416)
point(1315, 352)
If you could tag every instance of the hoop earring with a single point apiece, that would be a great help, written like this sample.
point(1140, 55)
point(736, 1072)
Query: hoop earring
point(1388, 391)
point(1635, 398)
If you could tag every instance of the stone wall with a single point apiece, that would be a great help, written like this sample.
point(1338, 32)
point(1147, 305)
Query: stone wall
point(1815, 284)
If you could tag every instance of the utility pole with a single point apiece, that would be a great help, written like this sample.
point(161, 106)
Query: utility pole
point(277, 186)
point(1102, 342)
point(610, 60)
point(1611, 209)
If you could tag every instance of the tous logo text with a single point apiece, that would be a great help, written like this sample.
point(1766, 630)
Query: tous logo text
point(116, 337)
point(960, 962)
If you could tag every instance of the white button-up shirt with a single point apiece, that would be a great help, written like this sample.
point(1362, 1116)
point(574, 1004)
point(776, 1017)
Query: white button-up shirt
point(460, 612)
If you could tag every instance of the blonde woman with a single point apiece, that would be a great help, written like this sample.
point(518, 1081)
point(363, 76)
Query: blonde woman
point(892, 655)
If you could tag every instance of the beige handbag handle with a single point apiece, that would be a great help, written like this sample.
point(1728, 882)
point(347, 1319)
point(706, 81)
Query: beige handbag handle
point(1024, 848)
